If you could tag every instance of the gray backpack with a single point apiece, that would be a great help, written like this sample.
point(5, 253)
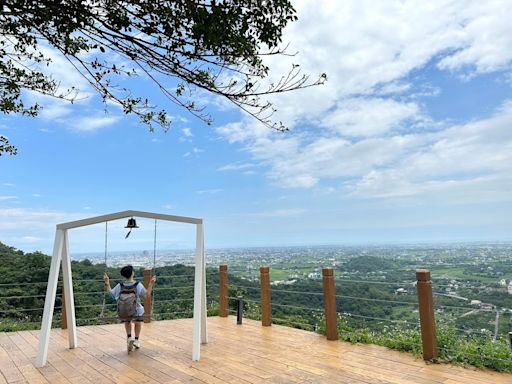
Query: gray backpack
point(127, 302)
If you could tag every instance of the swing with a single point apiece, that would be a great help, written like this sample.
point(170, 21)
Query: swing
point(102, 316)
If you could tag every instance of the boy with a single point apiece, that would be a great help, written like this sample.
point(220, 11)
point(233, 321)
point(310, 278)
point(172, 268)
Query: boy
point(140, 292)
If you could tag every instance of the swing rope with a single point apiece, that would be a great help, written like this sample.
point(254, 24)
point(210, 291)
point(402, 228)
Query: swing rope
point(102, 314)
point(154, 270)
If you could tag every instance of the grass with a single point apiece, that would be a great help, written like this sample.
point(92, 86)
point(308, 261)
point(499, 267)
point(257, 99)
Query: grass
point(477, 351)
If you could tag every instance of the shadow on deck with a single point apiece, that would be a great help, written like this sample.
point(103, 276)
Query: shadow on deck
point(247, 353)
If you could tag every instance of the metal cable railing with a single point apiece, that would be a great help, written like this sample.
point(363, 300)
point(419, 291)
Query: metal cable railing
point(354, 315)
point(26, 283)
point(173, 300)
point(280, 310)
point(22, 297)
point(25, 310)
point(377, 300)
point(298, 292)
point(466, 308)
point(246, 287)
point(374, 282)
point(156, 289)
point(173, 276)
point(297, 307)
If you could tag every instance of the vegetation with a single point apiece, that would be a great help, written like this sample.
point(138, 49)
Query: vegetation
point(182, 47)
point(369, 312)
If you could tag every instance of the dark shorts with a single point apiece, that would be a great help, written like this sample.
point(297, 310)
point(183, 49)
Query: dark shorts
point(136, 319)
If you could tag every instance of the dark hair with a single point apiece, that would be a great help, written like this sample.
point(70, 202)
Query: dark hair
point(127, 271)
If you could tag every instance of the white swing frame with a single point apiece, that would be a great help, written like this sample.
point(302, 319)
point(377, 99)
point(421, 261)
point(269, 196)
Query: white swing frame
point(61, 255)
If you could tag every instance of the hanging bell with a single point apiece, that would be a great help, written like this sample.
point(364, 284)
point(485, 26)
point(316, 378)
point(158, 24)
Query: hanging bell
point(131, 223)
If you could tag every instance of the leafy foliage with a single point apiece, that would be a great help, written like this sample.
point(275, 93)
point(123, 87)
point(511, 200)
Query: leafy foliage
point(212, 46)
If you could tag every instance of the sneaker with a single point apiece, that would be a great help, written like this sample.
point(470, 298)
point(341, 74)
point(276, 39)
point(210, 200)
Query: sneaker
point(129, 345)
point(136, 343)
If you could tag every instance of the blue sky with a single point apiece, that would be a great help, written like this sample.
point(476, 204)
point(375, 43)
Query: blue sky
point(409, 140)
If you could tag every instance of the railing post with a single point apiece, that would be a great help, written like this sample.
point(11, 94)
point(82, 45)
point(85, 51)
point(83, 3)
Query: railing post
point(239, 310)
point(331, 328)
point(266, 319)
point(426, 309)
point(63, 317)
point(148, 273)
point(223, 290)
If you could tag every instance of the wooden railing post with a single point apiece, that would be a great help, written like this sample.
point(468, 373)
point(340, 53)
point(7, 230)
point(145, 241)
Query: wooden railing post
point(426, 309)
point(63, 317)
point(223, 290)
point(266, 319)
point(148, 273)
point(331, 328)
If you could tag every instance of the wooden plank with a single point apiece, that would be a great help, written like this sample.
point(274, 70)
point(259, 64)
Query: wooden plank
point(14, 365)
point(95, 370)
point(242, 354)
point(24, 359)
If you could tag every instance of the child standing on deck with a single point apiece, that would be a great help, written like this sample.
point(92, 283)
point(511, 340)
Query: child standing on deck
point(130, 285)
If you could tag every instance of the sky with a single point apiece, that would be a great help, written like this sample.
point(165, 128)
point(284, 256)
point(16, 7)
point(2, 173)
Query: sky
point(409, 140)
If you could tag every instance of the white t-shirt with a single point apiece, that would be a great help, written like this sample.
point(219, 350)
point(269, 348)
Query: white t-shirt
point(141, 294)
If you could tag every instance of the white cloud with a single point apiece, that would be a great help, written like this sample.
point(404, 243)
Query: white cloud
point(29, 229)
point(209, 191)
point(485, 38)
point(32, 239)
point(8, 184)
point(36, 219)
point(195, 151)
point(8, 197)
point(366, 128)
point(56, 110)
point(474, 158)
point(187, 132)
point(90, 123)
point(236, 166)
point(365, 117)
point(461, 156)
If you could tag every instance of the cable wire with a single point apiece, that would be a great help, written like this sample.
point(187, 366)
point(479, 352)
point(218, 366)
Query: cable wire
point(303, 293)
point(245, 287)
point(297, 307)
point(21, 297)
point(171, 276)
point(375, 318)
point(169, 288)
point(173, 300)
point(467, 308)
point(376, 300)
point(375, 282)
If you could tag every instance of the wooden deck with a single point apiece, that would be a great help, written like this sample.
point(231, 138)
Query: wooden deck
point(242, 354)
